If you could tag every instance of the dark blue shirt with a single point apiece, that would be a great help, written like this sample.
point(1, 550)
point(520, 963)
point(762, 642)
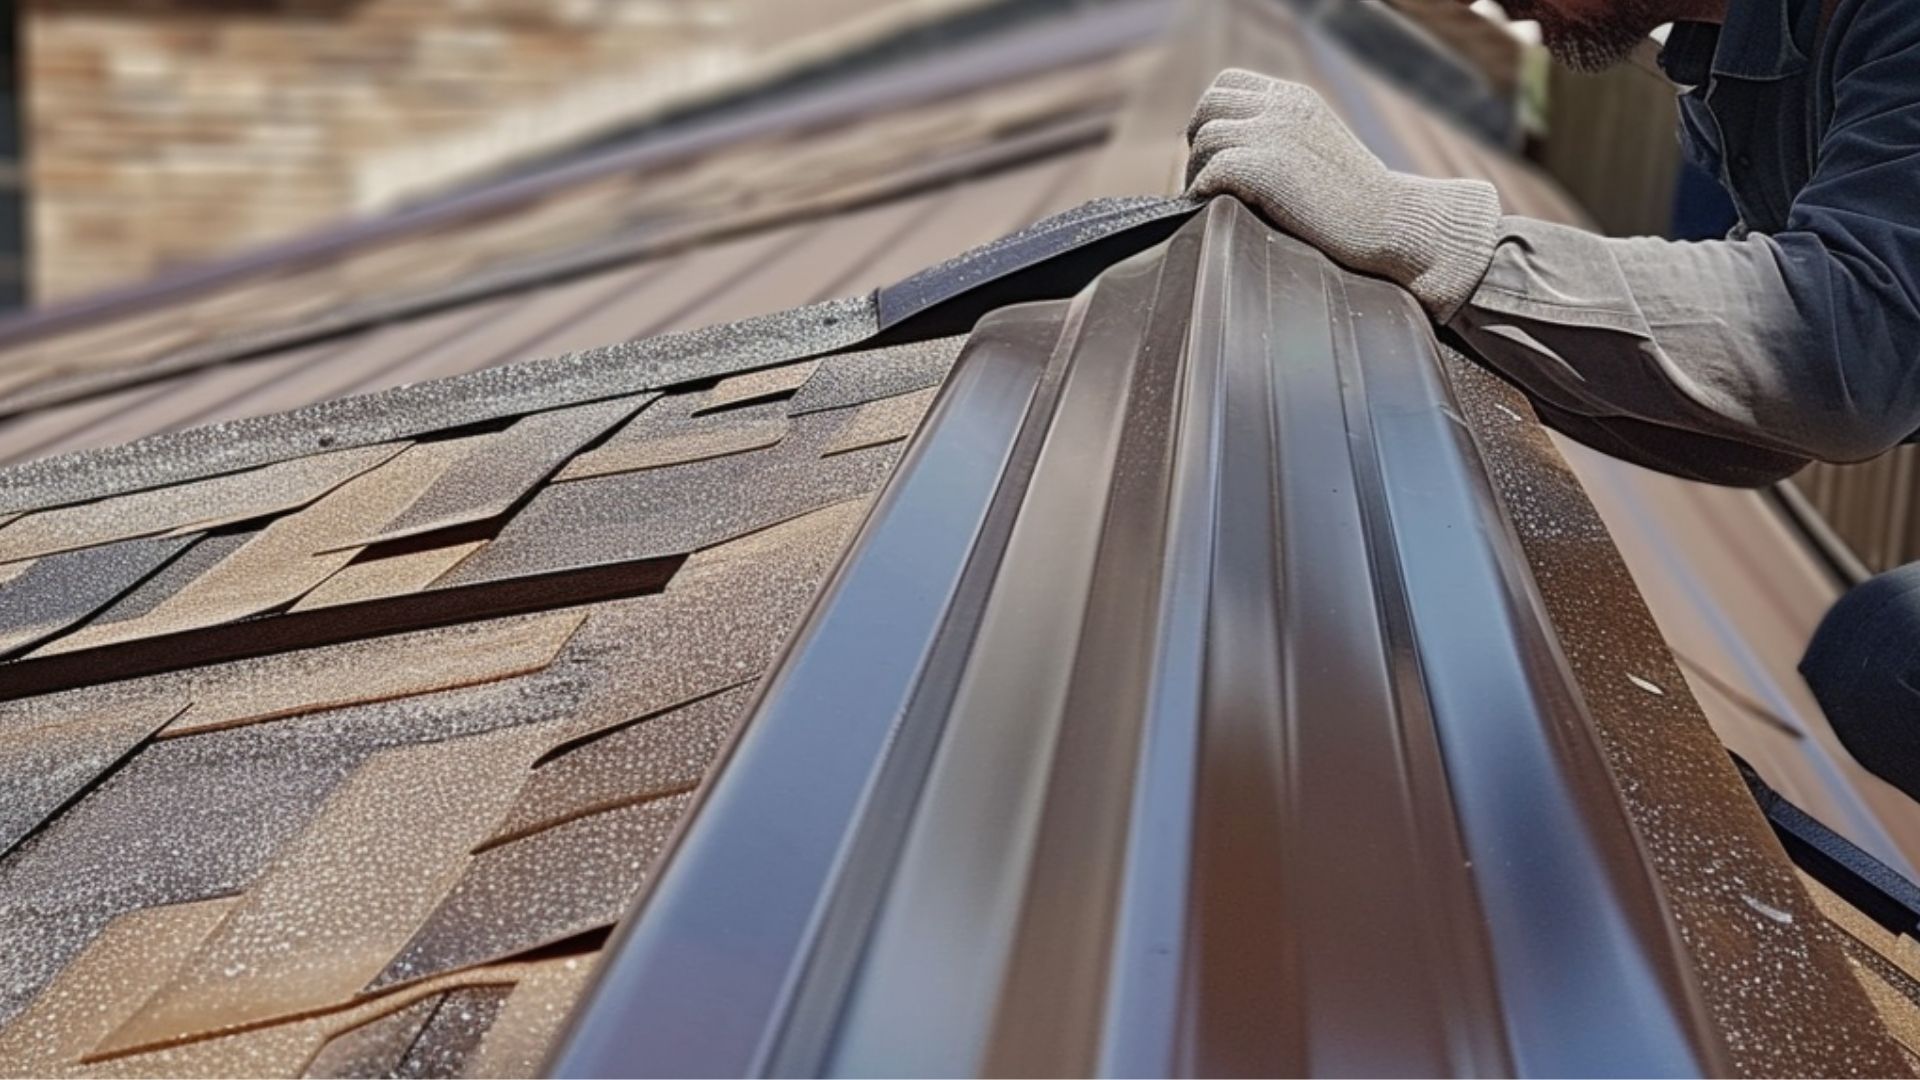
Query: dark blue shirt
point(1797, 338)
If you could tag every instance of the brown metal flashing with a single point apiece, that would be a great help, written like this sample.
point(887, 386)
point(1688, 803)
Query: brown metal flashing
point(945, 480)
point(1146, 856)
point(1725, 880)
point(1731, 587)
point(1245, 600)
point(1738, 590)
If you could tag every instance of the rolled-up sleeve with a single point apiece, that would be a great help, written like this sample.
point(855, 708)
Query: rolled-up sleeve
point(1736, 361)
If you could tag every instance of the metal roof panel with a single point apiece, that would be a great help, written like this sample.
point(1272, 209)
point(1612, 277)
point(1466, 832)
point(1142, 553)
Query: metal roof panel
point(1233, 594)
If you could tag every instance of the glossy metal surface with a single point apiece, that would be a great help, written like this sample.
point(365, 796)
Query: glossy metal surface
point(711, 968)
point(1189, 706)
point(1219, 730)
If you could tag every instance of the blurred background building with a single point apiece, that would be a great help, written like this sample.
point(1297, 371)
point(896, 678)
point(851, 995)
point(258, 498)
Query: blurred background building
point(268, 234)
point(144, 134)
point(169, 131)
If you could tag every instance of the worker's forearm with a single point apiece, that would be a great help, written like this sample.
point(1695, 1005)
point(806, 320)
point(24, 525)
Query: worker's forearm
point(1707, 339)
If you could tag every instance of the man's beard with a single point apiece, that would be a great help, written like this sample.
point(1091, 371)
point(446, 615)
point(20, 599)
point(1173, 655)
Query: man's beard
point(1591, 44)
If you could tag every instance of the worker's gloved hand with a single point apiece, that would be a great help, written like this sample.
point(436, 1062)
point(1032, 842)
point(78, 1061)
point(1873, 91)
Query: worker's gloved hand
point(1278, 147)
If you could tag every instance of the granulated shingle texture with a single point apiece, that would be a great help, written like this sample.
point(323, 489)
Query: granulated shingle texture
point(721, 622)
point(437, 406)
point(774, 382)
point(497, 471)
point(179, 572)
point(201, 816)
point(459, 1022)
point(105, 984)
point(883, 421)
point(184, 820)
point(313, 680)
point(670, 511)
point(285, 1049)
point(420, 808)
point(855, 378)
point(543, 888)
point(342, 898)
point(198, 506)
point(289, 557)
point(46, 760)
point(394, 575)
point(667, 433)
point(647, 759)
point(375, 1049)
point(517, 1043)
point(321, 789)
point(60, 590)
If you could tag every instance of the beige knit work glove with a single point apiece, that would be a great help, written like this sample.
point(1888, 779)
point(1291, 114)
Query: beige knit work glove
point(1279, 148)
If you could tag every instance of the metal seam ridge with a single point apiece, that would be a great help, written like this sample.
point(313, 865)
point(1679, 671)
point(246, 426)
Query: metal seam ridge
point(708, 967)
point(1185, 707)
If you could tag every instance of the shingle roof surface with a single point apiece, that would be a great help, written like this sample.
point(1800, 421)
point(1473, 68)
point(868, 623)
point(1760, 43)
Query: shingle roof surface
point(454, 658)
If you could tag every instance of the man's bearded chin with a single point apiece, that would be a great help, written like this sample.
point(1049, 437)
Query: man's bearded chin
point(1591, 45)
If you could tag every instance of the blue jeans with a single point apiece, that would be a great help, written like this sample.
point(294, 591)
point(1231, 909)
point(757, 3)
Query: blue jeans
point(1864, 667)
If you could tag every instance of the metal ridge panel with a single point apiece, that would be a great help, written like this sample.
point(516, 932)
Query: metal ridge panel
point(1078, 231)
point(924, 559)
point(1191, 591)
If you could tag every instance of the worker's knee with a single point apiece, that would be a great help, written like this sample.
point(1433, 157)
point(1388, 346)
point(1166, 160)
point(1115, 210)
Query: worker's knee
point(1864, 667)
